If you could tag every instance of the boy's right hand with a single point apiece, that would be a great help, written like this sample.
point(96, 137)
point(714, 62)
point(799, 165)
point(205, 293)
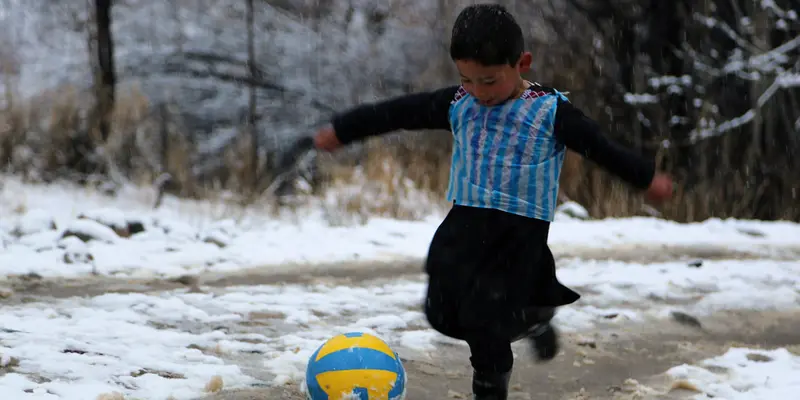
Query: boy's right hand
point(326, 139)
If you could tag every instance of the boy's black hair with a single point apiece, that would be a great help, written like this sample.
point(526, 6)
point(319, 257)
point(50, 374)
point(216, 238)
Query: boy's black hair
point(487, 34)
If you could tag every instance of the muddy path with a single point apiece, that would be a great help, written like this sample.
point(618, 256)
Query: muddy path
point(29, 287)
point(623, 363)
point(594, 365)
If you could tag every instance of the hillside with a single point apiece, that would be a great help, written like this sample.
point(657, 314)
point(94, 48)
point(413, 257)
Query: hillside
point(710, 92)
point(192, 54)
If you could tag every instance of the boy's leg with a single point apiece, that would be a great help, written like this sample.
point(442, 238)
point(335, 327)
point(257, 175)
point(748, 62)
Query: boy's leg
point(491, 356)
point(492, 361)
point(441, 309)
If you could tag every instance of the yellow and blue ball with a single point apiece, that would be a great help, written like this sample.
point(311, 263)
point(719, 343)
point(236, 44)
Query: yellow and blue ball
point(355, 366)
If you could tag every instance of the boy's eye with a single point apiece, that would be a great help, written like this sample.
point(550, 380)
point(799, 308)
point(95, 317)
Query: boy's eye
point(489, 82)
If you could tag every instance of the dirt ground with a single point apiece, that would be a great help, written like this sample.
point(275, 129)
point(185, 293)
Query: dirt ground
point(619, 364)
point(30, 286)
point(609, 363)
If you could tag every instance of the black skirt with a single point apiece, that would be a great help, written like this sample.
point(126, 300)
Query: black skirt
point(491, 272)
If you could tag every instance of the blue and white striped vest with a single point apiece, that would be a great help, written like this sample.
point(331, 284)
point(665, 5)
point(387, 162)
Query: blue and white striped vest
point(505, 157)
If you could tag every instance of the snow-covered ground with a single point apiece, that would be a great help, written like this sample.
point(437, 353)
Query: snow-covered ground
point(188, 237)
point(175, 343)
point(738, 374)
point(155, 345)
point(743, 374)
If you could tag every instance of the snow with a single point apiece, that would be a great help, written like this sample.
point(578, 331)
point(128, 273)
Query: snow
point(159, 49)
point(713, 286)
point(173, 343)
point(196, 335)
point(745, 374)
point(646, 98)
point(89, 228)
point(774, 67)
point(193, 237)
point(109, 217)
point(100, 347)
point(81, 347)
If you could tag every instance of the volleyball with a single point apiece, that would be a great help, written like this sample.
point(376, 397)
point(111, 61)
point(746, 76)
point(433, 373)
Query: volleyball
point(355, 366)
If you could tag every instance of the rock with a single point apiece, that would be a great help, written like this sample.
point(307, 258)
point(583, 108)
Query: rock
point(751, 232)
point(756, 357)
point(78, 257)
point(163, 374)
point(220, 233)
point(696, 263)
point(215, 385)
point(87, 230)
point(187, 280)
point(29, 277)
point(76, 251)
point(71, 243)
point(108, 188)
point(227, 226)
point(5, 240)
point(8, 363)
point(135, 227)
point(686, 319)
point(111, 396)
point(34, 221)
point(574, 210)
point(38, 241)
point(683, 384)
point(176, 230)
point(110, 217)
point(456, 395)
point(587, 342)
point(218, 238)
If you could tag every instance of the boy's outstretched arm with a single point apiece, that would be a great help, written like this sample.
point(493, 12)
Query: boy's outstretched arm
point(426, 110)
point(584, 136)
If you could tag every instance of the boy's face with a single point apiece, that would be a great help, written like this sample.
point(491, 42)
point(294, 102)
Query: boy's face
point(493, 84)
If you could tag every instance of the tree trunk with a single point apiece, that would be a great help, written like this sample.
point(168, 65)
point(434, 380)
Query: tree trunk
point(106, 80)
point(251, 114)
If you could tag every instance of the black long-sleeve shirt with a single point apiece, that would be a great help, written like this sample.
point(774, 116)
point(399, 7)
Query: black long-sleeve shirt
point(430, 110)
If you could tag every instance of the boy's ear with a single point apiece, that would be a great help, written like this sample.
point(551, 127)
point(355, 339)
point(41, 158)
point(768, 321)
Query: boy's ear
point(525, 62)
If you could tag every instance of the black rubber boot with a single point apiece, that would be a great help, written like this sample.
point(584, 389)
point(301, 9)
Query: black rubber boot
point(544, 340)
point(490, 385)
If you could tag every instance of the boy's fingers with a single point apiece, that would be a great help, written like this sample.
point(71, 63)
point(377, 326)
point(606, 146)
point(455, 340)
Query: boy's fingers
point(321, 141)
point(318, 141)
point(326, 140)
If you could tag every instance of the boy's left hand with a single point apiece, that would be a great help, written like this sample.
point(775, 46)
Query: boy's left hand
point(660, 189)
point(326, 139)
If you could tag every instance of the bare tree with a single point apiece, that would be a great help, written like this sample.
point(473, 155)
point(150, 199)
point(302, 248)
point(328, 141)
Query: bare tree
point(711, 86)
point(105, 79)
point(252, 71)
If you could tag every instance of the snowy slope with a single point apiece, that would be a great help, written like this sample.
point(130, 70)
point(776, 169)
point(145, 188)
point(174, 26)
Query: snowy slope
point(743, 374)
point(189, 237)
point(160, 48)
point(174, 343)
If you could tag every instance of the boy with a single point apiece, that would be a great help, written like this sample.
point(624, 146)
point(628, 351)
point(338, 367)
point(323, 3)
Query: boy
point(491, 274)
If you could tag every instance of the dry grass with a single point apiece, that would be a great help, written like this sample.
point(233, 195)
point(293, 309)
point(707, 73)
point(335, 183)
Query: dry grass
point(111, 396)
point(401, 176)
point(47, 138)
point(391, 178)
